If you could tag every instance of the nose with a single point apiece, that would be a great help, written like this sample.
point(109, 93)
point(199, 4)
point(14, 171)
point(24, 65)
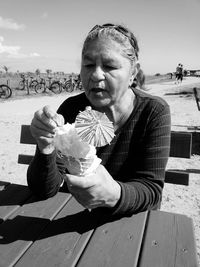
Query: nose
point(98, 74)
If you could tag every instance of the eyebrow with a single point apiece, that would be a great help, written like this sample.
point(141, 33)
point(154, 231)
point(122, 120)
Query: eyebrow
point(87, 57)
point(107, 60)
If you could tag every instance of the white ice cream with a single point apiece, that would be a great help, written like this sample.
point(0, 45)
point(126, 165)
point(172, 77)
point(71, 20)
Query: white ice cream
point(81, 156)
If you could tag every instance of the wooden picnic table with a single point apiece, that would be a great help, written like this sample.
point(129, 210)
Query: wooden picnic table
point(60, 232)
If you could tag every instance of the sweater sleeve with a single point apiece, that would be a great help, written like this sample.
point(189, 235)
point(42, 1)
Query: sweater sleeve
point(45, 174)
point(143, 190)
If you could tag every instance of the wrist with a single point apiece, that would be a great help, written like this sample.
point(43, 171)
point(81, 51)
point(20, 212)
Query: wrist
point(116, 194)
point(46, 150)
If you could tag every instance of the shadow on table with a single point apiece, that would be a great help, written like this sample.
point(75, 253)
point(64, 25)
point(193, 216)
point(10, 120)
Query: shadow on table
point(32, 228)
point(15, 194)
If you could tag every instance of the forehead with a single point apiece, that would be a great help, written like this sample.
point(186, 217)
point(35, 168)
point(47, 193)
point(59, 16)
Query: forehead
point(102, 46)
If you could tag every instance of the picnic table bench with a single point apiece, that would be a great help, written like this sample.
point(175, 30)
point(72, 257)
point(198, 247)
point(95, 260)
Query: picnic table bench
point(60, 232)
point(197, 96)
point(181, 146)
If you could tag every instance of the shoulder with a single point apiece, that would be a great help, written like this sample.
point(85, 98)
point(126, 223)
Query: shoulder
point(72, 105)
point(151, 110)
point(147, 100)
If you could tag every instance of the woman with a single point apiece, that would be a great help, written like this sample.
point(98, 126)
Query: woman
point(131, 175)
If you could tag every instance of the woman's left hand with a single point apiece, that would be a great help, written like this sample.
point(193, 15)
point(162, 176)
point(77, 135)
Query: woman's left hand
point(98, 189)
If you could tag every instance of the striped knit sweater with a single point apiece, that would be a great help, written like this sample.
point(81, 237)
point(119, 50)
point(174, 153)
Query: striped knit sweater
point(136, 157)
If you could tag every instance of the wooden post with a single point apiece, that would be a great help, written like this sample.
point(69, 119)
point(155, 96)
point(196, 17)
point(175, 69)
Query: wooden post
point(27, 86)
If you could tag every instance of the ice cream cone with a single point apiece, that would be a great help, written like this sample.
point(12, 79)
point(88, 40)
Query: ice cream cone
point(82, 166)
point(80, 157)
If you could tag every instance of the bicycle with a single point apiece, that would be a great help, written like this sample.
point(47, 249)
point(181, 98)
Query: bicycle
point(5, 91)
point(68, 85)
point(26, 83)
point(64, 84)
point(42, 86)
point(22, 83)
point(78, 85)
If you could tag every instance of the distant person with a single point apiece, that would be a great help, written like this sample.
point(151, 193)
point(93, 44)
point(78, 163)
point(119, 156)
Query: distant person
point(131, 175)
point(179, 74)
point(176, 73)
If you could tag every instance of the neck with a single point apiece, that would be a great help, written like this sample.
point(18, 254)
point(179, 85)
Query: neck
point(120, 113)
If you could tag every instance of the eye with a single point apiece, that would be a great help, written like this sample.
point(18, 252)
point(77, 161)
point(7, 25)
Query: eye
point(110, 67)
point(88, 65)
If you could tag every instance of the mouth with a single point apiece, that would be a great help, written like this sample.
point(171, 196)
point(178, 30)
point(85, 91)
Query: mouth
point(97, 90)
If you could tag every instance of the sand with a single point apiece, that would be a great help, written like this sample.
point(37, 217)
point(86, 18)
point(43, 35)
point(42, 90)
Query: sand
point(176, 198)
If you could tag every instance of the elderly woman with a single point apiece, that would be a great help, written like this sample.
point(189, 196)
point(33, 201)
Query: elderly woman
point(131, 175)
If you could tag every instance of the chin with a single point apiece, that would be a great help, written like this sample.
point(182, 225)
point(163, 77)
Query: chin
point(99, 103)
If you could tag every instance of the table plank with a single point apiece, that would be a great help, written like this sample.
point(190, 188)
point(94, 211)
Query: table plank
point(20, 230)
point(169, 241)
point(11, 197)
point(65, 238)
point(116, 243)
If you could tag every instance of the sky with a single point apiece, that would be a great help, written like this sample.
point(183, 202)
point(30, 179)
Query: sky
point(49, 34)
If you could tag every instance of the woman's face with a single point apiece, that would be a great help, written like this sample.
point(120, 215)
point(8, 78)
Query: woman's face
point(105, 72)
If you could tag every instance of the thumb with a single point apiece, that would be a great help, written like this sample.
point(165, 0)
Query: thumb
point(52, 114)
point(49, 111)
point(60, 119)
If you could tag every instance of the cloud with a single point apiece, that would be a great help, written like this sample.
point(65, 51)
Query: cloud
point(34, 54)
point(11, 50)
point(14, 51)
point(20, 55)
point(10, 24)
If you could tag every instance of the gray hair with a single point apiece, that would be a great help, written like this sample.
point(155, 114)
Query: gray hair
point(118, 33)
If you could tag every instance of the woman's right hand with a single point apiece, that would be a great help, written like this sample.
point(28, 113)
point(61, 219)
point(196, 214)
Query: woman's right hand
point(43, 128)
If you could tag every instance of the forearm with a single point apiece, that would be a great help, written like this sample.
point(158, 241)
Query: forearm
point(137, 197)
point(43, 176)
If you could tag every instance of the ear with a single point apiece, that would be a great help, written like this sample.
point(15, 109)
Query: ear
point(136, 68)
point(131, 80)
point(134, 74)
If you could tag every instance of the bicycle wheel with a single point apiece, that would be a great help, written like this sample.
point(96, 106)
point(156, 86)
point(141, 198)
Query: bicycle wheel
point(69, 87)
point(33, 84)
point(40, 88)
point(56, 87)
point(21, 85)
point(5, 91)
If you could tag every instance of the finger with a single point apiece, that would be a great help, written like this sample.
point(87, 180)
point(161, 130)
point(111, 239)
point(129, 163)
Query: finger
point(59, 119)
point(95, 205)
point(38, 123)
point(49, 112)
point(79, 181)
point(44, 119)
point(56, 118)
point(38, 132)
